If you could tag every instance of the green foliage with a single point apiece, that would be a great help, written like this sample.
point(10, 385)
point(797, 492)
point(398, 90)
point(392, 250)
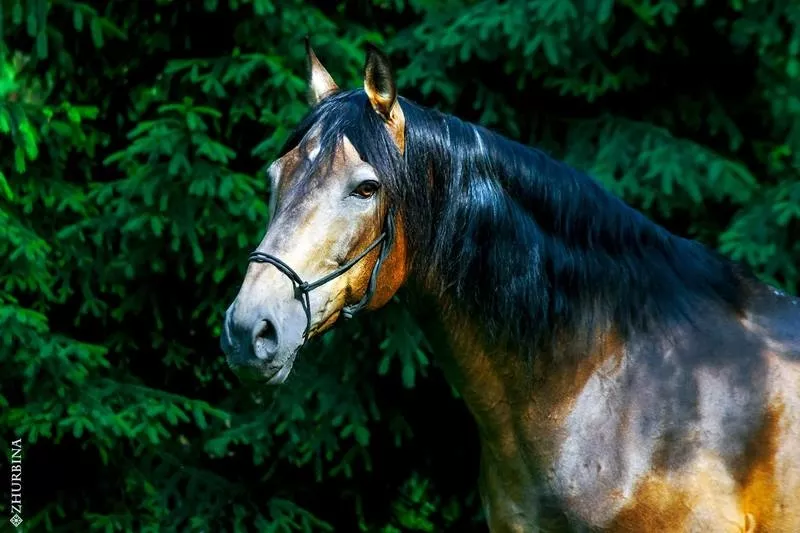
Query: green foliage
point(135, 137)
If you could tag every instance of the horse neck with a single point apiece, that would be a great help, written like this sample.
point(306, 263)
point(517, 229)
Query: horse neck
point(551, 250)
point(475, 370)
point(504, 387)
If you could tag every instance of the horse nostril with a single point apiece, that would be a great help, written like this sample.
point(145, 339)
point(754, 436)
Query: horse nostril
point(265, 340)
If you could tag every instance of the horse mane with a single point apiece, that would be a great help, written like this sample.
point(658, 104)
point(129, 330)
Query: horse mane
point(527, 245)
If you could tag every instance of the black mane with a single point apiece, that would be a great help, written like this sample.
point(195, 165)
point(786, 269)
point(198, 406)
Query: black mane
point(528, 245)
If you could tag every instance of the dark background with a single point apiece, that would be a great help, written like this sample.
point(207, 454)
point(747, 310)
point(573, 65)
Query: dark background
point(134, 135)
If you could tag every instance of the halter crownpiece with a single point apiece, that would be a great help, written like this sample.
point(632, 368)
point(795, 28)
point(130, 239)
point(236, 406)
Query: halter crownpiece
point(302, 288)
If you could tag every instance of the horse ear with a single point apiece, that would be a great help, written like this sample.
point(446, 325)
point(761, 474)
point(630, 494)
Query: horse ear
point(381, 90)
point(379, 82)
point(320, 82)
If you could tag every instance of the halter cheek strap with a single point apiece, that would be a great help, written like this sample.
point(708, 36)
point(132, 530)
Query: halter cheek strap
point(302, 288)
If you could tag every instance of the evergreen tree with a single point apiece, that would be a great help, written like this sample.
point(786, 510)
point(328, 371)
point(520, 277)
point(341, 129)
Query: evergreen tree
point(135, 135)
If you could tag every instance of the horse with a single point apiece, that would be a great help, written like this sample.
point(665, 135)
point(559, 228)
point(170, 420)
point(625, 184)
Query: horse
point(631, 378)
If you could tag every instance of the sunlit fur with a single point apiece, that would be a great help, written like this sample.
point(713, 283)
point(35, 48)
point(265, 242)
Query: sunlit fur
point(529, 246)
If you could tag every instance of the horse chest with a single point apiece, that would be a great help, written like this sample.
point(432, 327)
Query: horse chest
point(560, 443)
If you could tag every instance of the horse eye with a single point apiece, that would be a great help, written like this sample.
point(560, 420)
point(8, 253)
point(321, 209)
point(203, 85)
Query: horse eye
point(366, 189)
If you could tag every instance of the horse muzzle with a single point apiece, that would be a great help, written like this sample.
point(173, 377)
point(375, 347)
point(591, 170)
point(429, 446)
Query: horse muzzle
point(257, 347)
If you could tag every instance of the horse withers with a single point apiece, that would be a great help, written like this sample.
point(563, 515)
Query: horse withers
point(633, 379)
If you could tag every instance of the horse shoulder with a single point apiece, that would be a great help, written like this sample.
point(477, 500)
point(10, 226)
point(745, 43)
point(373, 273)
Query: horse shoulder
point(771, 486)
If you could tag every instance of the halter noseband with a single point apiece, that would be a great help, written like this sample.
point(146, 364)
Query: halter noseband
point(302, 288)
